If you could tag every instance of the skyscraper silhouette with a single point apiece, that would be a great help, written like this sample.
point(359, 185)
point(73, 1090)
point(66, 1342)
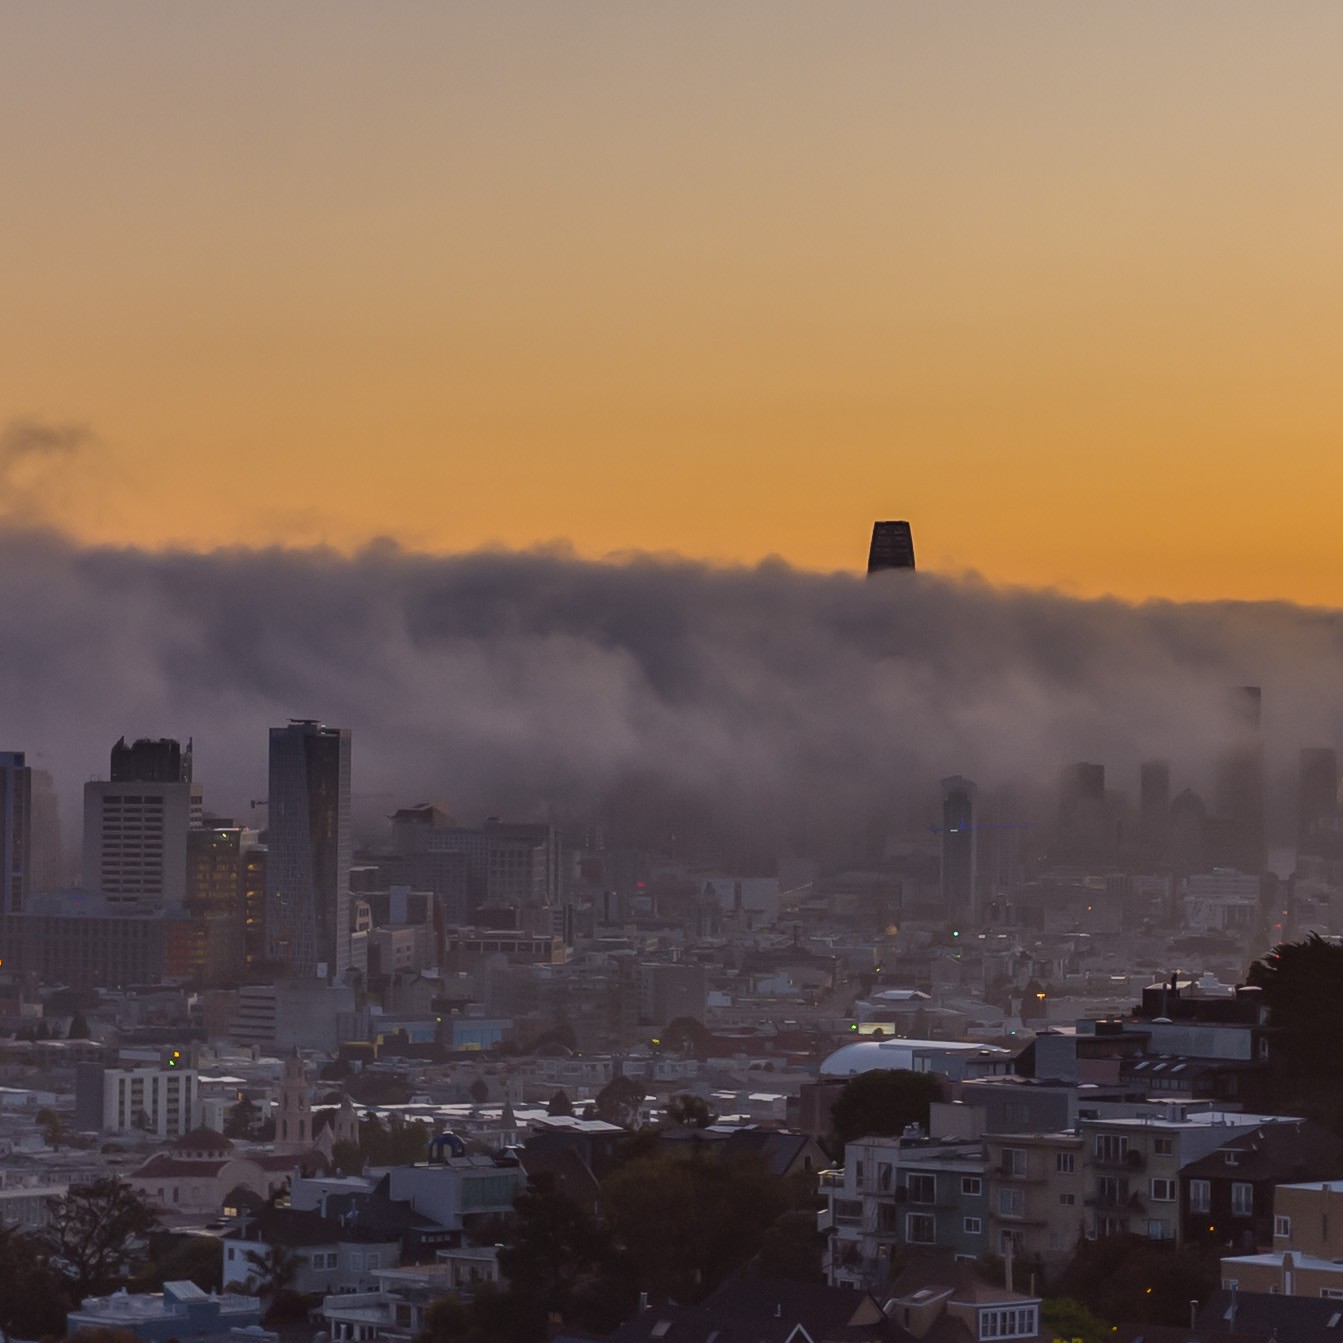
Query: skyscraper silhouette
point(892, 547)
point(960, 848)
point(16, 833)
point(308, 863)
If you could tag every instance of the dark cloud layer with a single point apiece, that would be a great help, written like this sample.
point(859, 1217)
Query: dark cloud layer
point(525, 681)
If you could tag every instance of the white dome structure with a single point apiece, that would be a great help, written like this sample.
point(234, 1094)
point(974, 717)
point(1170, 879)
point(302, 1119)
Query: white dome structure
point(954, 1058)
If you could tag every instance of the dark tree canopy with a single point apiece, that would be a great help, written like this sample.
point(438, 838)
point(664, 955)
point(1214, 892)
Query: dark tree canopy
point(883, 1103)
point(560, 1104)
point(32, 1302)
point(618, 1101)
point(690, 1111)
point(1302, 985)
point(98, 1235)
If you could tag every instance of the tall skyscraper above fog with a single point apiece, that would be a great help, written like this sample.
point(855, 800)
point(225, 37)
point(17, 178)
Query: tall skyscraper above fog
point(960, 848)
point(136, 824)
point(16, 831)
point(309, 843)
point(892, 547)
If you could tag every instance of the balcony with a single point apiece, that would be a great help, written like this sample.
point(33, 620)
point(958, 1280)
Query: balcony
point(830, 1179)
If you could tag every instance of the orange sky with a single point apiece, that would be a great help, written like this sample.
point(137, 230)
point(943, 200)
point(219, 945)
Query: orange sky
point(1061, 283)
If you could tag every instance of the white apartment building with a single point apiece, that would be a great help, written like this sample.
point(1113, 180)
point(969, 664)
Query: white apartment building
point(162, 1101)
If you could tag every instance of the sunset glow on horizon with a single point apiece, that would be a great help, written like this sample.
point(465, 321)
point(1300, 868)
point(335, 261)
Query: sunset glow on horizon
point(1060, 284)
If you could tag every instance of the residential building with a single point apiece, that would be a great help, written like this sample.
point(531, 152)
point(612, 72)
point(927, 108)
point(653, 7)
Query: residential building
point(1133, 1165)
point(181, 1310)
point(162, 1101)
point(1306, 1258)
point(1227, 1196)
point(330, 1257)
point(900, 1194)
point(1036, 1204)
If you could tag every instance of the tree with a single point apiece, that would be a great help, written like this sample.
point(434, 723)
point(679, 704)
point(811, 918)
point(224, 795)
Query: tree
point(182, 1258)
point(1302, 985)
point(347, 1158)
point(560, 1261)
point(274, 1270)
point(79, 1027)
point(241, 1120)
point(32, 1302)
point(618, 1101)
point(98, 1234)
point(560, 1104)
point(689, 1111)
point(884, 1103)
point(479, 1091)
point(396, 1143)
point(686, 1223)
point(792, 1247)
point(53, 1128)
point(1069, 1321)
point(687, 1035)
point(1137, 1280)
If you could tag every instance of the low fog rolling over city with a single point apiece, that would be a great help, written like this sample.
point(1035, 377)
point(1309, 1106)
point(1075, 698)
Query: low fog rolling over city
point(671, 673)
point(765, 707)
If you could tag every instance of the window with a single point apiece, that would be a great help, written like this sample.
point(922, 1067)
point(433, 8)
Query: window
point(1282, 1226)
point(1161, 1191)
point(1111, 1191)
point(922, 1188)
point(1012, 1322)
point(1200, 1196)
point(1068, 1200)
point(1012, 1162)
point(1163, 1146)
point(1011, 1203)
point(971, 1184)
point(972, 1226)
point(1332, 1294)
point(848, 1211)
point(1110, 1147)
point(1242, 1200)
point(1232, 1158)
point(884, 1170)
point(1158, 1230)
point(920, 1228)
point(1065, 1163)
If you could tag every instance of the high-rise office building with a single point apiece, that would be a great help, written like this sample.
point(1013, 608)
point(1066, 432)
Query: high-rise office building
point(1154, 812)
point(892, 547)
point(46, 869)
point(308, 859)
point(1088, 830)
point(136, 825)
point(1317, 813)
point(16, 830)
point(1237, 838)
point(960, 848)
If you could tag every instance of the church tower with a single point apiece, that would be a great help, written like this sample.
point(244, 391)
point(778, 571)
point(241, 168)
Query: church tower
point(293, 1125)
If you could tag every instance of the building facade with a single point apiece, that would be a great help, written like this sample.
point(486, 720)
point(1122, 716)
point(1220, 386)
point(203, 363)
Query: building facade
point(309, 848)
